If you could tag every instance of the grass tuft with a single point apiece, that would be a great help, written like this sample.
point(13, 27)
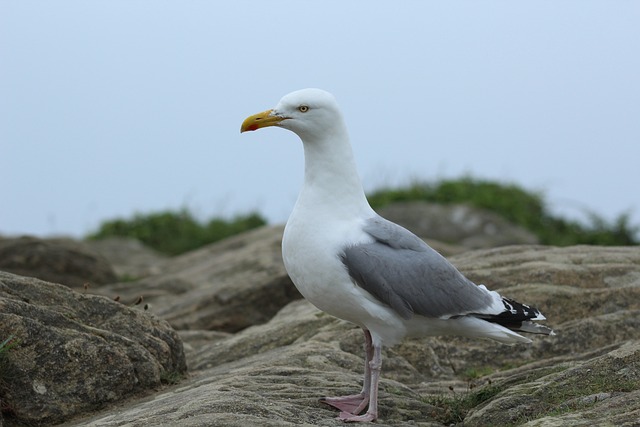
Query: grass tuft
point(454, 407)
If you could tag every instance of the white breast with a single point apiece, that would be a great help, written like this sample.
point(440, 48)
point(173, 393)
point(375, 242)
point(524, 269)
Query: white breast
point(312, 258)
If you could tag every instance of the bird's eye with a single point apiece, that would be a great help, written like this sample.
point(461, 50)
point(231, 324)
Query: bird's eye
point(303, 108)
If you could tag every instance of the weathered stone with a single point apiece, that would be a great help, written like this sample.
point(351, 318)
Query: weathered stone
point(62, 261)
point(601, 391)
point(566, 283)
point(273, 372)
point(75, 353)
point(130, 258)
point(226, 286)
point(273, 375)
point(458, 224)
point(589, 294)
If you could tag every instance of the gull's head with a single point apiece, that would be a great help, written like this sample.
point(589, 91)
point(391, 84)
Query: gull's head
point(306, 112)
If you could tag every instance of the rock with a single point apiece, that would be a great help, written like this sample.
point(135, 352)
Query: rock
point(604, 390)
point(589, 294)
point(568, 283)
point(226, 286)
point(194, 340)
point(458, 224)
point(272, 373)
point(75, 353)
point(258, 356)
point(129, 257)
point(62, 261)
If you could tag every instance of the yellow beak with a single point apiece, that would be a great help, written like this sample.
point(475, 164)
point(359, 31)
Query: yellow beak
point(260, 120)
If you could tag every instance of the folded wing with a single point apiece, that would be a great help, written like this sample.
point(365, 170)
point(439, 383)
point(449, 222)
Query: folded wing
point(403, 272)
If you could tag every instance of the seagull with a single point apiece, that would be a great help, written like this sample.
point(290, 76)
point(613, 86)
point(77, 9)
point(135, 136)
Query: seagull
point(355, 265)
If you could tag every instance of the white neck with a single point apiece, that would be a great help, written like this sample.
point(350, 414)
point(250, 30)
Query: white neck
point(331, 181)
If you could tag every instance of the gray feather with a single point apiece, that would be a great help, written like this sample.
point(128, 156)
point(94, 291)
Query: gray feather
point(402, 271)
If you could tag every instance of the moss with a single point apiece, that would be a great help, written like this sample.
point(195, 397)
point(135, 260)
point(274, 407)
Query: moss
point(455, 406)
point(7, 373)
point(171, 377)
point(577, 389)
point(585, 383)
point(477, 372)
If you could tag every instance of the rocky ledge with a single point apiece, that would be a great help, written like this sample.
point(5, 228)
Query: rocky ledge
point(258, 355)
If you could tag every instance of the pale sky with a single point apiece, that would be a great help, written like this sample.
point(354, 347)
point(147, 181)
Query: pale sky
point(108, 108)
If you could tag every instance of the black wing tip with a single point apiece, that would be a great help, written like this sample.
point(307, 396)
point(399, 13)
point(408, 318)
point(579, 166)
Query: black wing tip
point(519, 317)
point(518, 311)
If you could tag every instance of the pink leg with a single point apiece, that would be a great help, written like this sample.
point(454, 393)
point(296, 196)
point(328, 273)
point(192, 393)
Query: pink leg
point(355, 403)
point(372, 413)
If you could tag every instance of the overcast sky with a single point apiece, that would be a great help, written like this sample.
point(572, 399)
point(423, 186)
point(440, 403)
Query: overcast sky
point(108, 108)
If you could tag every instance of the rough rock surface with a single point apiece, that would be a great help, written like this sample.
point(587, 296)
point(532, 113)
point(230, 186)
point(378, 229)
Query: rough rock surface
point(603, 390)
point(55, 260)
point(74, 353)
point(458, 224)
point(272, 374)
point(226, 286)
point(130, 258)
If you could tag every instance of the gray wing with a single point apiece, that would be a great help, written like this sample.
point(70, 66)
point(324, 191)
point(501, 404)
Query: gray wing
point(402, 271)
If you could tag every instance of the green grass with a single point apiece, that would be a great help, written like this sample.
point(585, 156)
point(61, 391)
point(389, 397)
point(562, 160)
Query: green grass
point(171, 377)
point(475, 373)
point(7, 345)
point(176, 232)
point(455, 406)
point(518, 205)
